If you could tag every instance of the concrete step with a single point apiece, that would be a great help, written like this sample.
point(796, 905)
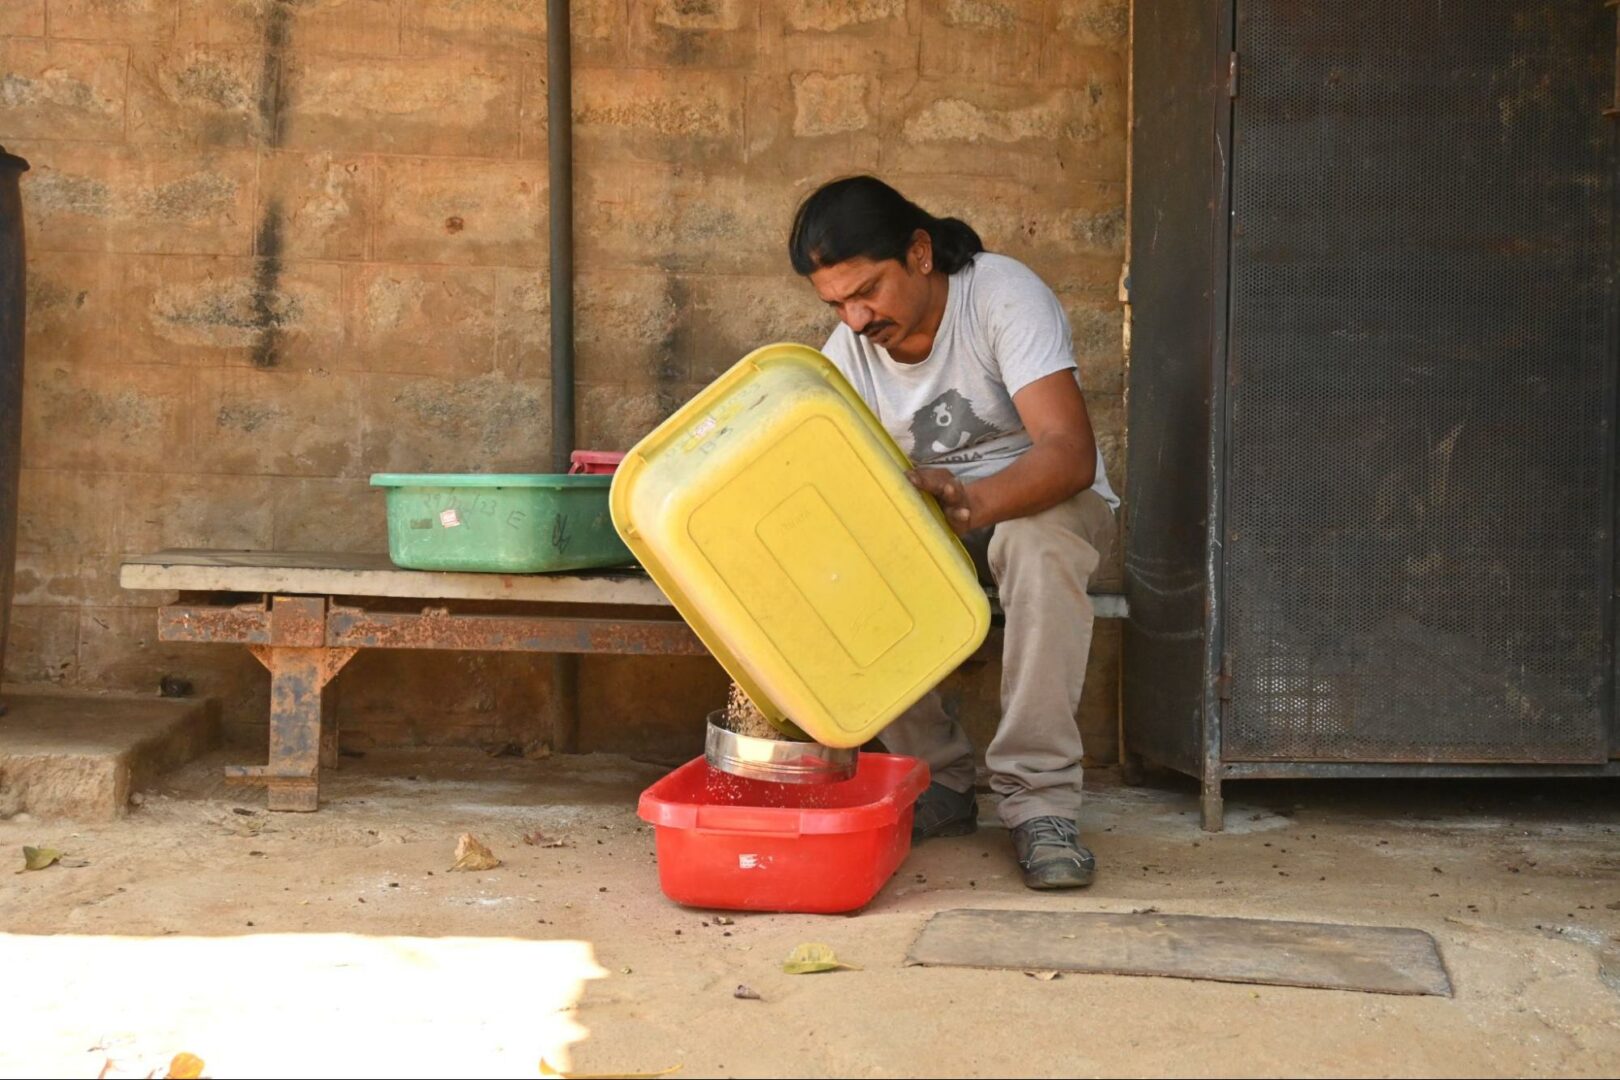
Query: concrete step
point(79, 754)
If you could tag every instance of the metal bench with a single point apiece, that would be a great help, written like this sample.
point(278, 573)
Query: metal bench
point(305, 614)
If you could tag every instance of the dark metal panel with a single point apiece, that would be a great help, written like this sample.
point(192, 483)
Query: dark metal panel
point(1178, 86)
point(1421, 467)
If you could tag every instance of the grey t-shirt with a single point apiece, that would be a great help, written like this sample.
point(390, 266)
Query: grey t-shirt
point(1002, 329)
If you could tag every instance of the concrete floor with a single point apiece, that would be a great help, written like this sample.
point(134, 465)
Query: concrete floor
point(338, 944)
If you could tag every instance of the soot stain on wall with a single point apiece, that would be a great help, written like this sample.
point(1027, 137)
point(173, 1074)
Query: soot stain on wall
point(268, 242)
point(266, 287)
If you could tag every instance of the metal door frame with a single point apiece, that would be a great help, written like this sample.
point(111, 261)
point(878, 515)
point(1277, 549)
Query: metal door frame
point(1220, 432)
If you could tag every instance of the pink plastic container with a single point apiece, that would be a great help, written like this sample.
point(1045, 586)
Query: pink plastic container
point(748, 845)
point(594, 462)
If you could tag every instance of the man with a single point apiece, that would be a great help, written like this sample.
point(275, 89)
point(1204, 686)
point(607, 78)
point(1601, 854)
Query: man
point(965, 357)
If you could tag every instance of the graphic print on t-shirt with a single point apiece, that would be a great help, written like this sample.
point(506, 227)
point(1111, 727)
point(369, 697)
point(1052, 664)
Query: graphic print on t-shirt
point(945, 425)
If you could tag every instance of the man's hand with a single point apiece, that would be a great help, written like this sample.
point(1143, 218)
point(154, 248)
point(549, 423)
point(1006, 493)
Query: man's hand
point(953, 495)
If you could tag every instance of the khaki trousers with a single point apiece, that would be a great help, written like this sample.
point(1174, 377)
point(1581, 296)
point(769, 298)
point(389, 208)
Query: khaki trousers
point(1041, 566)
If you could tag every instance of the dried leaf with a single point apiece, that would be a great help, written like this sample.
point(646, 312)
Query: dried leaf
point(185, 1067)
point(38, 858)
point(1044, 976)
point(746, 993)
point(813, 959)
point(547, 1069)
point(471, 855)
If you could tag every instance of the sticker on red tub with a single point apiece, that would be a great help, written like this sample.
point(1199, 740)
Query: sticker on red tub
point(753, 862)
point(449, 518)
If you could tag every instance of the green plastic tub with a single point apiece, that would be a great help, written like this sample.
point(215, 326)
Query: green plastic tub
point(513, 523)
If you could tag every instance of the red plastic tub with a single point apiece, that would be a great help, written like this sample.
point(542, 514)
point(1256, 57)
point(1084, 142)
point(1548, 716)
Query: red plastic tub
point(748, 845)
point(594, 462)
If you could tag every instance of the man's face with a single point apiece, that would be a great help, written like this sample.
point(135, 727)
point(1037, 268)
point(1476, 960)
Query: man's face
point(885, 301)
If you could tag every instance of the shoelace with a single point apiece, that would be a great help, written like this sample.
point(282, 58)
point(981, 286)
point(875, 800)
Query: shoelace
point(1054, 831)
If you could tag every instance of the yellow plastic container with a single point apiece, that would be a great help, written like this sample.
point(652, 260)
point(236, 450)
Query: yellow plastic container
point(774, 512)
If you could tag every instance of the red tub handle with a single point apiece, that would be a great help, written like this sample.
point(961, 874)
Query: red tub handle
point(767, 821)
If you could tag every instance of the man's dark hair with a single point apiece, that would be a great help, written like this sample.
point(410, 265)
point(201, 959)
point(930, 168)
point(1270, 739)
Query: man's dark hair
point(862, 216)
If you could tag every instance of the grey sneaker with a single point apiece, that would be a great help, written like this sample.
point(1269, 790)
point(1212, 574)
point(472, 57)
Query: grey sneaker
point(1051, 855)
point(943, 812)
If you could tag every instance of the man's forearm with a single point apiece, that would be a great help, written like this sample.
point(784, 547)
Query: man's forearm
point(1045, 475)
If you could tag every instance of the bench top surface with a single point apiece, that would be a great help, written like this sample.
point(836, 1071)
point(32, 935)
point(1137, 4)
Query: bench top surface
point(321, 573)
point(331, 574)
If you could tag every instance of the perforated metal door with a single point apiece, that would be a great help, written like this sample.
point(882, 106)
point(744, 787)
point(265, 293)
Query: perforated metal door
point(1421, 382)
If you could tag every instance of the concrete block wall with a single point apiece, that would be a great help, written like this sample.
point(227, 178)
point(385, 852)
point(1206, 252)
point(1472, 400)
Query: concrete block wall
point(277, 245)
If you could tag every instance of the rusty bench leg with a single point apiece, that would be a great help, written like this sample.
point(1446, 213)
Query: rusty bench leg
point(329, 728)
point(300, 665)
point(293, 774)
point(565, 702)
point(299, 742)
